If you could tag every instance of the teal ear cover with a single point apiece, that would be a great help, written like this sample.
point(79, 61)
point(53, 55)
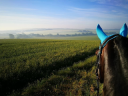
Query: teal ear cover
point(102, 36)
point(123, 30)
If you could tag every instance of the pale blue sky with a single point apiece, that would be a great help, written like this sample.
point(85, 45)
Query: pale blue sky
point(27, 14)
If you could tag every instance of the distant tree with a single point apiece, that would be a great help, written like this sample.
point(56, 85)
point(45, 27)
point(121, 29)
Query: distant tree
point(42, 35)
point(57, 34)
point(49, 35)
point(23, 36)
point(83, 33)
point(68, 35)
point(11, 36)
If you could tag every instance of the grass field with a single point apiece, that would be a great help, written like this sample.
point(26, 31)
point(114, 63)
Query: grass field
point(72, 38)
point(40, 67)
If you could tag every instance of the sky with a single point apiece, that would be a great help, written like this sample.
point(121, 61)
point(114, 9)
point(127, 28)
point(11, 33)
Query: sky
point(76, 14)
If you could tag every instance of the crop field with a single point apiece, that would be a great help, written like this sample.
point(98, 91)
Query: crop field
point(44, 67)
point(71, 38)
point(79, 38)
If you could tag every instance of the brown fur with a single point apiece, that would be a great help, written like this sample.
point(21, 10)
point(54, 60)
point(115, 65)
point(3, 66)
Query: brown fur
point(114, 67)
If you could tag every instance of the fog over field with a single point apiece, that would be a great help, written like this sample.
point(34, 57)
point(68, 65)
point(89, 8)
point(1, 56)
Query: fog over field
point(50, 32)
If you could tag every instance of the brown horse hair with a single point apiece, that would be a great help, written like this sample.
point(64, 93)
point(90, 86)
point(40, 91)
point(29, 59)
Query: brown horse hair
point(114, 67)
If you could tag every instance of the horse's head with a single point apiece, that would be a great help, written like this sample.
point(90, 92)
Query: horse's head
point(106, 43)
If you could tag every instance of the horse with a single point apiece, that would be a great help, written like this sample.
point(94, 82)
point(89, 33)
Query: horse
point(112, 59)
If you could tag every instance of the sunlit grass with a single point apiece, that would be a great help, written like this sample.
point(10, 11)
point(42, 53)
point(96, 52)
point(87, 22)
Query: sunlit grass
point(49, 67)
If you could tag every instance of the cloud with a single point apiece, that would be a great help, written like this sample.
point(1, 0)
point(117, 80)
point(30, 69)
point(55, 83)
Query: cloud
point(17, 8)
point(27, 9)
point(99, 1)
point(119, 3)
point(122, 5)
point(114, 11)
point(98, 13)
point(22, 21)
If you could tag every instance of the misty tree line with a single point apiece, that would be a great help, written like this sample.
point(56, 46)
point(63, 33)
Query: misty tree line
point(11, 36)
point(32, 35)
point(18, 36)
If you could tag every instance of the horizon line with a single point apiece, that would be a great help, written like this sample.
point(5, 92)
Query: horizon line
point(56, 28)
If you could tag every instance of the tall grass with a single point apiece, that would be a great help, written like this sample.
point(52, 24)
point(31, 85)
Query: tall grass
point(24, 62)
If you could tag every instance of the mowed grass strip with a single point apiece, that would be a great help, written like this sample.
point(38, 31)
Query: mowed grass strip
point(25, 61)
point(76, 80)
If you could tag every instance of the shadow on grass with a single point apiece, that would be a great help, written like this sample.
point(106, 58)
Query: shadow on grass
point(20, 80)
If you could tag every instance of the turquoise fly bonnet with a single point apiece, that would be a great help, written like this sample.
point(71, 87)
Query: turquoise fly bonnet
point(102, 36)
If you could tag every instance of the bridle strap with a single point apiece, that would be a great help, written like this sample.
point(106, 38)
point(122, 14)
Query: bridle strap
point(98, 58)
point(107, 40)
point(97, 64)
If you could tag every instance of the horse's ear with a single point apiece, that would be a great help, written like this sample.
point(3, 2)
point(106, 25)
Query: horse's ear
point(102, 36)
point(123, 30)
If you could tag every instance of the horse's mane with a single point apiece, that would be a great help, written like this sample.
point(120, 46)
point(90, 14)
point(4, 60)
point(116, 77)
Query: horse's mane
point(118, 65)
point(121, 50)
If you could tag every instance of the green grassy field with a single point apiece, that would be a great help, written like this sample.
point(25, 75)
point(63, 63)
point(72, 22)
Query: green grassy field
point(39, 67)
point(73, 38)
